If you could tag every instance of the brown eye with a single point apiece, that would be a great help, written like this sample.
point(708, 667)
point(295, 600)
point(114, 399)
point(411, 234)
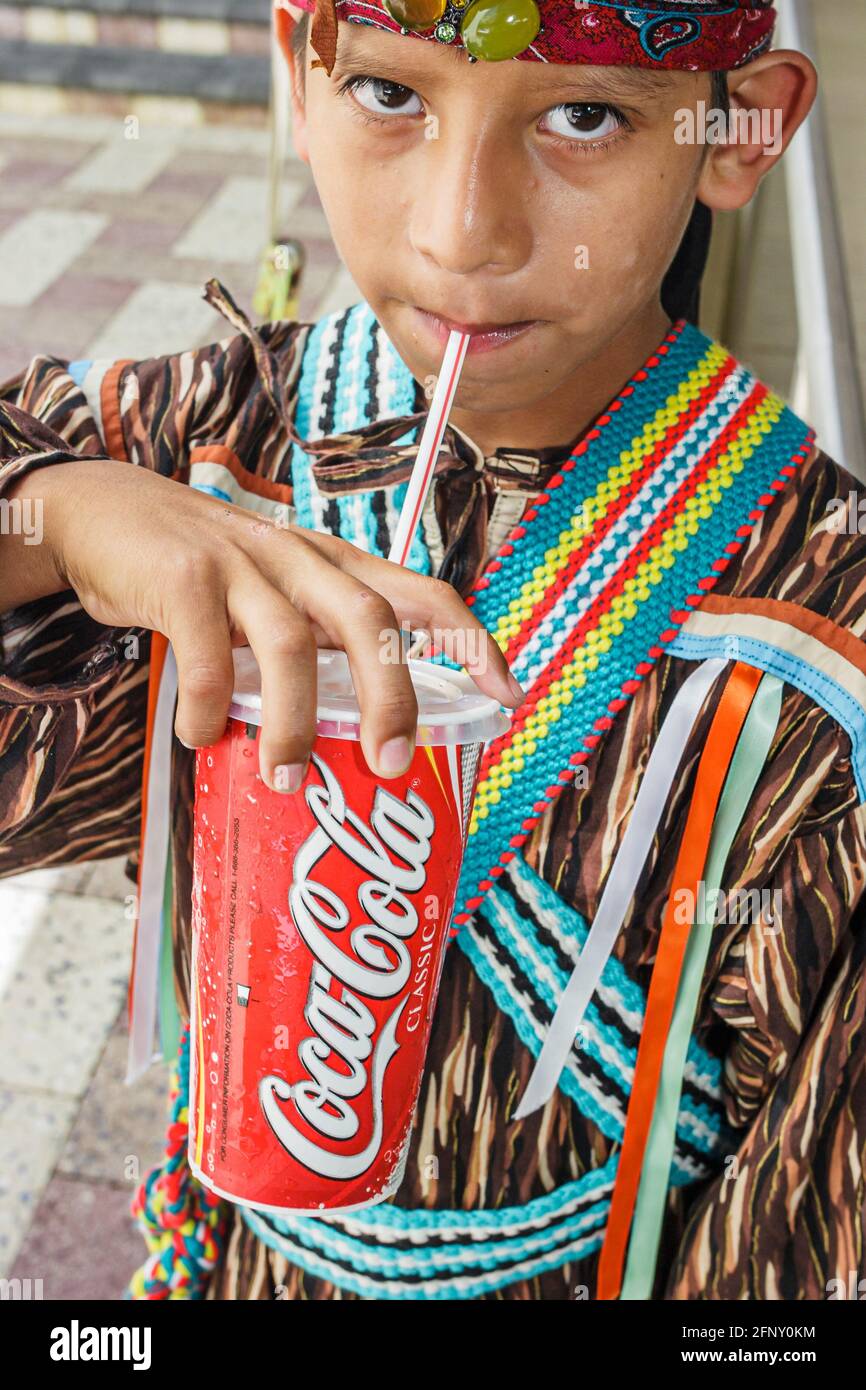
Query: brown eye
point(378, 95)
point(583, 120)
point(391, 94)
point(586, 118)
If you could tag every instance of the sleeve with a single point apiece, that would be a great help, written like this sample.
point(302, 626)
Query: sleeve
point(73, 693)
point(786, 1218)
point(786, 1215)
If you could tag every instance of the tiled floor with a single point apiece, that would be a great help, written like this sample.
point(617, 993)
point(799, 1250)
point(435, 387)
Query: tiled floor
point(67, 1170)
point(106, 241)
point(105, 244)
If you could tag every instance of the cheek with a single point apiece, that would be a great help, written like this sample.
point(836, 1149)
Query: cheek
point(628, 217)
point(361, 198)
point(640, 229)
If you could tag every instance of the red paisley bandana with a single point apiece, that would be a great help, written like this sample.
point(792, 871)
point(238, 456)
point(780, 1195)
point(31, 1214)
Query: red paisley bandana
point(694, 35)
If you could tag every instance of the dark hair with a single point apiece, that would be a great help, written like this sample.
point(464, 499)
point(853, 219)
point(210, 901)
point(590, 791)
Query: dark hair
point(721, 96)
point(681, 287)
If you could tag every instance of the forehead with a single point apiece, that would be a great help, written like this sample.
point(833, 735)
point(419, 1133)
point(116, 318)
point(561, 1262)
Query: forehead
point(409, 59)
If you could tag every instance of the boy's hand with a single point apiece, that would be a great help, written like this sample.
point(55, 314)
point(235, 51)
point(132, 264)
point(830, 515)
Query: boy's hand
point(143, 551)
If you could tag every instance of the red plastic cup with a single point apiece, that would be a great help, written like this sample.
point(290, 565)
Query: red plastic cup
point(320, 921)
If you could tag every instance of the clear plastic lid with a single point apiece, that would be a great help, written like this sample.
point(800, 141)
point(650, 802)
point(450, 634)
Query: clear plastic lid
point(451, 708)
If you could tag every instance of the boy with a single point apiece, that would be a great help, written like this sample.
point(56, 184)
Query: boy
point(700, 1133)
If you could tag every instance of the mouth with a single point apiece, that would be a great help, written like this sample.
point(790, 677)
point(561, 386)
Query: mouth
point(485, 337)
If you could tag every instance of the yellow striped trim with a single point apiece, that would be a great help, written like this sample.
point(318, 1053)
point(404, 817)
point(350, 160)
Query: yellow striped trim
point(624, 607)
point(556, 559)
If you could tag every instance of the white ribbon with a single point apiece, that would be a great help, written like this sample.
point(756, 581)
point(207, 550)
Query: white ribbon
point(154, 857)
point(621, 884)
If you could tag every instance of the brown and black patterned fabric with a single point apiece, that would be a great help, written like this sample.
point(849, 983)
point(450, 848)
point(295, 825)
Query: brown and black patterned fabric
point(785, 1012)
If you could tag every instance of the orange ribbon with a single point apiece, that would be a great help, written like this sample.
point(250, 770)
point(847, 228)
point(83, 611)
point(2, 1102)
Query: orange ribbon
point(713, 769)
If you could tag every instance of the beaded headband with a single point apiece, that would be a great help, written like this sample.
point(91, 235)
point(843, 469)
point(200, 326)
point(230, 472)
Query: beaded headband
point(694, 35)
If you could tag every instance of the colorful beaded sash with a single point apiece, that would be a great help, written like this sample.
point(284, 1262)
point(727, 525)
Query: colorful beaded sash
point(630, 535)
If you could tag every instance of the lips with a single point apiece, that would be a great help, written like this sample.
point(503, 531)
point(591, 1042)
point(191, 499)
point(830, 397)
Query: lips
point(479, 328)
point(484, 336)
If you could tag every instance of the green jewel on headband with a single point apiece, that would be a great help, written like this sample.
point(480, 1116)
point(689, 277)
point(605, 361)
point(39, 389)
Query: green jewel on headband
point(490, 29)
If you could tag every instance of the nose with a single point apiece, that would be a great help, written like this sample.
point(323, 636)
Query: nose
point(471, 212)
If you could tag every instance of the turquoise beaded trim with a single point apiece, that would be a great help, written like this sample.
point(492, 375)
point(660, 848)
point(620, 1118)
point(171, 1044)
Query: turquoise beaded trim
point(387, 1252)
point(587, 591)
point(523, 944)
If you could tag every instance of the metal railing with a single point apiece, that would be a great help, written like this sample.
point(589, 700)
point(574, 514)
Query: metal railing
point(826, 390)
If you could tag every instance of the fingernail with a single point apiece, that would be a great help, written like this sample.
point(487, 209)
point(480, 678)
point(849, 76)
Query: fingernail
point(395, 755)
point(287, 777)
point(190, 746)
point(517, 690)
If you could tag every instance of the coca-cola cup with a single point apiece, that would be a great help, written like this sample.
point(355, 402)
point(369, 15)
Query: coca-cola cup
point(320, 921)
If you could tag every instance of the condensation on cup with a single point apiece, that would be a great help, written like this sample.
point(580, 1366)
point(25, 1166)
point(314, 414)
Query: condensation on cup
point(320, 921)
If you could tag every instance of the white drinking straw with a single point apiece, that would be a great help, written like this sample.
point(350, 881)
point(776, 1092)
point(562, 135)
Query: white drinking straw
point(428, 449)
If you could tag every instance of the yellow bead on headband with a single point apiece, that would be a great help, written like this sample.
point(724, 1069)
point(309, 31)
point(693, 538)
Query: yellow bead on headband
point(489, 29)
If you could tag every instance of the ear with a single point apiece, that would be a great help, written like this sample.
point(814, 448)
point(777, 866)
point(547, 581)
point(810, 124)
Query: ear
point(285, 23)
point(770, 99)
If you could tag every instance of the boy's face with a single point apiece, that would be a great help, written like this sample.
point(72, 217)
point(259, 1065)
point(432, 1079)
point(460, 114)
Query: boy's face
point(548, 200)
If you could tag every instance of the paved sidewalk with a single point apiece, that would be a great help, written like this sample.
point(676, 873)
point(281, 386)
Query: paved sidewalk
point(105, 243)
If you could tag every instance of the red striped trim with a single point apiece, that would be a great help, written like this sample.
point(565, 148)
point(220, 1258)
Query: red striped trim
point(606, 523)
point(519, 531)
point(616, 585)
point(591, 741)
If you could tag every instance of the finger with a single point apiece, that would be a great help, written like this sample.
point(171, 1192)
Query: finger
point(367, 630)
point(436, 606)
point(416, 599)
point(285, 648)
point(425, 602)
point(201, 640)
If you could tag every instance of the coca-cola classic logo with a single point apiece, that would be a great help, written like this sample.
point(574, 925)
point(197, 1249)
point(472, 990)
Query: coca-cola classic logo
point(393, 850)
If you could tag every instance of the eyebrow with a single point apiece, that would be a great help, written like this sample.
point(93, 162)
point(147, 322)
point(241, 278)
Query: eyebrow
point(619, 83)
point(614, 83)
point(353, 51)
